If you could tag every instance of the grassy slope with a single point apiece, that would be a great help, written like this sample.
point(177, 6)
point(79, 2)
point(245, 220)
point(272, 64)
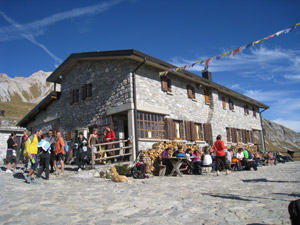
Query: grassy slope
point(16, 109)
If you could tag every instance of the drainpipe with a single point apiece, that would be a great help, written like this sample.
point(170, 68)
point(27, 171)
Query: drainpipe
point(261, 123)
point(135, 107)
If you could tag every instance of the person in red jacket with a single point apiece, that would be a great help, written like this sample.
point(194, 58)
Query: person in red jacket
point(220, 154)
point(109, 137)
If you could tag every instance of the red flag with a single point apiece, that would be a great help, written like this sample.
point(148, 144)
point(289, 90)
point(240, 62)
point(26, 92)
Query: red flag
point(236, 51)
point(207, 62)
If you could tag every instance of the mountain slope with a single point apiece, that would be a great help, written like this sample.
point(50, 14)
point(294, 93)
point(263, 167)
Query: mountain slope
point(25, 89)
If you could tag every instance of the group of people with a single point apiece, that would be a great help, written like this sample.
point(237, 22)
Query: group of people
point(37, 149)
point(47, 150)
point(221, 157)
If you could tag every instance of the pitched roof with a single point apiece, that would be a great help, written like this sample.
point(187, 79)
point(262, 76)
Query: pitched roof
point(140, 56)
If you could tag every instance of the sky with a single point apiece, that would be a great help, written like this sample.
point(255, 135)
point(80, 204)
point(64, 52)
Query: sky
point(40, 34)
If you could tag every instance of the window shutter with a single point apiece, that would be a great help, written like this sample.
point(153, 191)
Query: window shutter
point(254, 112)
point(189, 92)
point(206, 94)
point(252, 138)
point(231, 105)
point(164, 84)
point(207, 132)
point(224, 102)
point(233, 134)
point(69, 136)
point(193, 133)
point(169, 128)
point(187, 130)
point(84, 90)
point(228, 134)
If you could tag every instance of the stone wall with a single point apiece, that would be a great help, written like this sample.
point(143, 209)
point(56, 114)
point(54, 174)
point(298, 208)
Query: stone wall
point(183, 108)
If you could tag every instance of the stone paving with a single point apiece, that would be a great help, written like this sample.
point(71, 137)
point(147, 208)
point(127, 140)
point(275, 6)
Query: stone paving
point(247, 197)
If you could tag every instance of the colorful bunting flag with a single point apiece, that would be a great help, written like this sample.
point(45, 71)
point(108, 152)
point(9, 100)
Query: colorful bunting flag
point(228, 54)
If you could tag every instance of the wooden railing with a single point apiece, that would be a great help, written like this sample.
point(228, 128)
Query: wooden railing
point(110, 150)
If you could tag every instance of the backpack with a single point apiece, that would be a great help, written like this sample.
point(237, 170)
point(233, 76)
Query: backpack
point(237, 167)
point(250, 156)
point(138, 171)
point(27, 147)
point(294, 211)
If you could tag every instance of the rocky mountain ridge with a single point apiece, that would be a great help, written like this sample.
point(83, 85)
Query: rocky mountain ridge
point(25, 89)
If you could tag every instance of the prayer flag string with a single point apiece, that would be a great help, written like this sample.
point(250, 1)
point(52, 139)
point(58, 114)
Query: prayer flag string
point(229, 53)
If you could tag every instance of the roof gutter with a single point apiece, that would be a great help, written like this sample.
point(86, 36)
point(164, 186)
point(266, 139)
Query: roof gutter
point(136, 139)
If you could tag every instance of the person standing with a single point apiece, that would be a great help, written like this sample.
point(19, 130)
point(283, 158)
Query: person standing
point(23, 157)
point(220, 154)
point(93, 139)
point(81, 154)
point(44, 156)
point(59, 153)
point(11, 153)
point(51, 140)
point(109, 137)
point(32, 143)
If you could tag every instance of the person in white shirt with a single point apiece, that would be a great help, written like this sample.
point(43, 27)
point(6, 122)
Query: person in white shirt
point(240, 154)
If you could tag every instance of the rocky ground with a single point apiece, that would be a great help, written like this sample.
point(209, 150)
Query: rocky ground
point(248, 197)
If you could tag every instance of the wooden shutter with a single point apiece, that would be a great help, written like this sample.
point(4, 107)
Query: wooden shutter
point(233, 134)
point(206, 94)
point(224, 102)
point(84, 90)
point(193, 133)
point(254, 112)
point(207, 132)
point(164, 84)
point(169, 128)
point(244, 135)
point(189, 91)
point(228, 134)
point(187, 126)
point(69, 136)
point(231, 105)
point(252, 137)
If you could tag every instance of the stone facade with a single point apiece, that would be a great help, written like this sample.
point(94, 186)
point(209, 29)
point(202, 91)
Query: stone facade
point(112, 95)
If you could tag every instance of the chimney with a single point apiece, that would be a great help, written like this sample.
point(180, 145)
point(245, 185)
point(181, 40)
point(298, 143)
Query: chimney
point(207, 75)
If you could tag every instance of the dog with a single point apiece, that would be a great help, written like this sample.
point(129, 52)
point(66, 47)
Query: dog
point(116, 177)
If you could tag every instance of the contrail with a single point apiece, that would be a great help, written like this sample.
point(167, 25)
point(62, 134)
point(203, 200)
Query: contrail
point(29, 36)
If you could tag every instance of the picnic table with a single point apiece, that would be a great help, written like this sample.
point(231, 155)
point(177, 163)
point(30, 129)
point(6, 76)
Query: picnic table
point(177, 162)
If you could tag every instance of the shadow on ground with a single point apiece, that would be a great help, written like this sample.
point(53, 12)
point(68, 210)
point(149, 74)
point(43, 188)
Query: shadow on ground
point(266, 180)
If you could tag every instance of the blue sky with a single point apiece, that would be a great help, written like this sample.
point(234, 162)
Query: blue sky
point(40, 34)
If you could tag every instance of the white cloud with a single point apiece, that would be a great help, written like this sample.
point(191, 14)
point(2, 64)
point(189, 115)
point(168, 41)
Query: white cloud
point(264, 64)
point(291, 124)
point(37, 28)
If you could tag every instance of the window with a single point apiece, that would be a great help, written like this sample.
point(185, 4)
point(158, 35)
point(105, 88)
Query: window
point(206, 95)
point(254, 111)
point(150, 125)
point(89, 90)
point(83, 90)
point(231, 104)
point(198, 132)
point(105, 122)
point(224, 102)
point(190, 92)
point(75, 96)
point(166, 84)
point(246, 110)
point(178, 130)
point(228, 134)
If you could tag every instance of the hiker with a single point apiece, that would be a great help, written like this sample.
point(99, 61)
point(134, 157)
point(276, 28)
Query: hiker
point(31, 147)
point(197, 163)
point(11, 153)
point(81, 154)
point(93, 139)
point(165, 155)
point(23, 158)
point(45, 149)
point(220, 154)
point(109, 137)
point(51, 140)
point(59, 153)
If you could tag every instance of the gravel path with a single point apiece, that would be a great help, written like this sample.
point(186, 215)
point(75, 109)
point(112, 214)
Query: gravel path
point(248, 197)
